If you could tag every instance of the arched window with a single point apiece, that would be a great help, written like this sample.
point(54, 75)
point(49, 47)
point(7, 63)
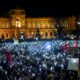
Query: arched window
point(50, 34)
point(46, 34)
point(18, 23)
point(6, 34)
point(2, 37)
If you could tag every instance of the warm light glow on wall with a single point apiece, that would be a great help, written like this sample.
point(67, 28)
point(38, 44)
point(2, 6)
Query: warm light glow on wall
point(41, 33)
point(18, 24)
point(32, 33)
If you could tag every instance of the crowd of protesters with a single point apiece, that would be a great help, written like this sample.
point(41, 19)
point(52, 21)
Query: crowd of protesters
point(38, 60)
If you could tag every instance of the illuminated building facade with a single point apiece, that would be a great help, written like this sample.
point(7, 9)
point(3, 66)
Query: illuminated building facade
point(18, 24)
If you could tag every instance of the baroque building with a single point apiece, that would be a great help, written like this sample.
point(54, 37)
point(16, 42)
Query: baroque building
point(18, 24)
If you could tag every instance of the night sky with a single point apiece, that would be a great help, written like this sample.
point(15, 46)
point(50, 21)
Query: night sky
point(55, 8)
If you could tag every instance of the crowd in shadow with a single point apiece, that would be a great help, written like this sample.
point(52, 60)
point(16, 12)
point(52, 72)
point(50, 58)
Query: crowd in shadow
point(35, 60)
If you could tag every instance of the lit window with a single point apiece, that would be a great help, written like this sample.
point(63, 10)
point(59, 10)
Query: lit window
point(18, 24)
point(2, 25)
point(29, 24)
point(41, 33)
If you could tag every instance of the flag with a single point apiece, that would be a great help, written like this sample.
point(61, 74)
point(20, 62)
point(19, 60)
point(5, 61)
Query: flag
point(75, 45)
point(8, 56)
point(66, 47)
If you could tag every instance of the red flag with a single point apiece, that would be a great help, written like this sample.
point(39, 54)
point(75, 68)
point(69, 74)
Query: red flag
point(8, 56)
point(66, 47)
point(75, 45)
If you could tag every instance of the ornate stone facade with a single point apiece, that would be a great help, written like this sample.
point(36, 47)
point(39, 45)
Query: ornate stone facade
point(18, 23)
